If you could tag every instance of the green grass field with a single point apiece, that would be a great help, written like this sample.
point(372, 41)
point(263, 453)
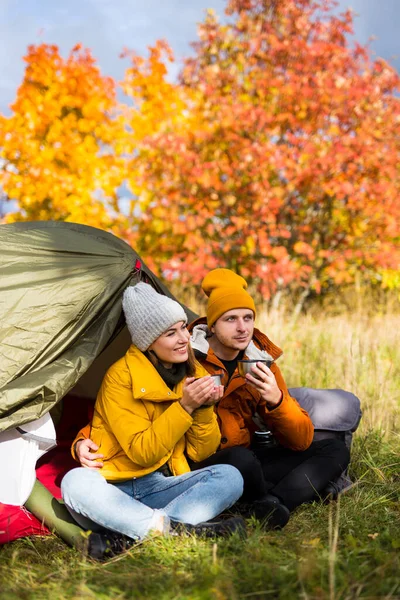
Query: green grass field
point(344, 550)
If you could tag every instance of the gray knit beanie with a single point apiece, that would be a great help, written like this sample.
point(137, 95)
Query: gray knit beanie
point(148, 314)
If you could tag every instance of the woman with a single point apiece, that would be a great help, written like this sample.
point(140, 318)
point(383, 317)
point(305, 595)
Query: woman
point(154, 411)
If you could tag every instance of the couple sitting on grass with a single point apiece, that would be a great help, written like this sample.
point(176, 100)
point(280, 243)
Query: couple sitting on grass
point(175, 449)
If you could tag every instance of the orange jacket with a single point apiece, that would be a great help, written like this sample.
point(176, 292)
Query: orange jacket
point(289, 423)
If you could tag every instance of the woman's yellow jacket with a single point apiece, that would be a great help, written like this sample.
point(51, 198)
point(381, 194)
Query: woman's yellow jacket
point(139, 424)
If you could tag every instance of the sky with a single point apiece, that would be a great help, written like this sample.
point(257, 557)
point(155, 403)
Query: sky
point(107, 26)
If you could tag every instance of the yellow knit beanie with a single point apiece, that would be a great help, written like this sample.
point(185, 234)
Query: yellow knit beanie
point(225, 290)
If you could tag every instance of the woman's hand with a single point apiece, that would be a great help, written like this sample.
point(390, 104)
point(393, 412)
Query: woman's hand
point(199, 392)
point(85, 456)
point(266, 384)
point(216, 395)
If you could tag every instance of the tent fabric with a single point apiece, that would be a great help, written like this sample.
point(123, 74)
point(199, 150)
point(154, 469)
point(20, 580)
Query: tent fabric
point(60, 305)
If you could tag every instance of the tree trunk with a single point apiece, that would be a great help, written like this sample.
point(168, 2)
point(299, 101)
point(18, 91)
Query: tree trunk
point(276, 301)
point(300, 303)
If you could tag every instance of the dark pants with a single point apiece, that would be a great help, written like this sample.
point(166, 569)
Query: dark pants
point(294, 477)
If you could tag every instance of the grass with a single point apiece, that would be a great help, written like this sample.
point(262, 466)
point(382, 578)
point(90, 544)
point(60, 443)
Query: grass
point(339, 551)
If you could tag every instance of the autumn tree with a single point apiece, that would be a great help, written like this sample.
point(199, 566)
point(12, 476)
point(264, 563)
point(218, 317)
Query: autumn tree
point(284, 164)
point(158, 106)
point(58, 148)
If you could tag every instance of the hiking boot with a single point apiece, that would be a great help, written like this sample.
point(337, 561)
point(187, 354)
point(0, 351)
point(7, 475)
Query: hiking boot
point(102, 546)
point(268, 509)
point(214, 528)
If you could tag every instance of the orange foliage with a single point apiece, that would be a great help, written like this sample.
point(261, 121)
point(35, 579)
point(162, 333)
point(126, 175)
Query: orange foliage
point(276, 153)
point(285, 166)
point(57, 146)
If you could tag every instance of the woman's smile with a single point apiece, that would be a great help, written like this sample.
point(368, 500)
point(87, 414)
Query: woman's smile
point(182, 349)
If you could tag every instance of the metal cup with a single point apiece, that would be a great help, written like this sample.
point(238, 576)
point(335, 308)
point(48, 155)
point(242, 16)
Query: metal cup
point(244, 366)
point(216, 379)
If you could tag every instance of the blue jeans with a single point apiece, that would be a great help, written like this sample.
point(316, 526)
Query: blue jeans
point(135, 507)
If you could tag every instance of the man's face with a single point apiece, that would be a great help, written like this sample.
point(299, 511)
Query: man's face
point(234, 329)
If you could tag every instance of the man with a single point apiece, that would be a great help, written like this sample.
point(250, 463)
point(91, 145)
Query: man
point(295, 469)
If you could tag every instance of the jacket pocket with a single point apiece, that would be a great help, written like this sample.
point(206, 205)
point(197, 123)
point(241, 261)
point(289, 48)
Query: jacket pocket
point(107, 442)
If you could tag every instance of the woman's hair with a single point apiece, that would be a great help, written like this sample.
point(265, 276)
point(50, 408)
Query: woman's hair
point(190, 363)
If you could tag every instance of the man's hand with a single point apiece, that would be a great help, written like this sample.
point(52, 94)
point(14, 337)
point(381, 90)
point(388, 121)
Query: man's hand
point(199, 392)
point(266, 384)
point(85, 456)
